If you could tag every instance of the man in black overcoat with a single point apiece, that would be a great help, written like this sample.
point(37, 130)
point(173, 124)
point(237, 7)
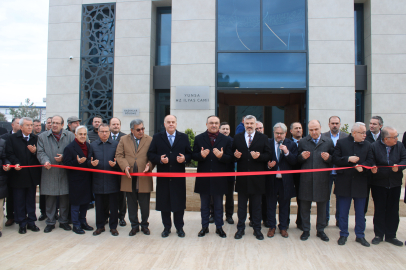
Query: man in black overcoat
point(252, 152)
point(386, 185)
point(352, 184)
point(76, 154)
point(213, 152)
point(21, 148)
point(170, 151)
point(280, 187)
point(296, 131)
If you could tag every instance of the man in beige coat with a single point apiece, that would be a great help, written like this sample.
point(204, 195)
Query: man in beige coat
point(131, 155)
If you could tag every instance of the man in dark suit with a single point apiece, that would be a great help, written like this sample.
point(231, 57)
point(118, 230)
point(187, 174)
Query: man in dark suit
point(116, 134)
point(252, 152)
point(314, 152)
point(296, 131)
point(21, 151)
point(93, 134)
point(170, 151)
point(15, 127)
point(105, 186)
point(334, 123)
point(373, 134)
point(77, 154)
point(280, 188)
point(212, 151)
point(386, 185)
point(351, 184)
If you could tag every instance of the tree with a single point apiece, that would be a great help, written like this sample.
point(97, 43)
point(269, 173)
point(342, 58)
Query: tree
point(2, 117)
point(25, 110)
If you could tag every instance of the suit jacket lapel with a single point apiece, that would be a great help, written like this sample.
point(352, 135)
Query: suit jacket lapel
point(177, 138)
point(165, 138)
point(255, 139)
point(207, 140)
point(78, 149)
point(244, 142)
point(217, 141)
point(142, 143)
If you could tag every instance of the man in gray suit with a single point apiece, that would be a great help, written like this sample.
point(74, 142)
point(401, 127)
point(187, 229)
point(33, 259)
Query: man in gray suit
point(315, 152)
point(334, 123)
point(54, 181)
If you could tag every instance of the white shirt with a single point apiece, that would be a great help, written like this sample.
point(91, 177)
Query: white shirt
point(246, 135)
point(376, 135)
point(169, 135)
point(112, 134)
point(26, 137)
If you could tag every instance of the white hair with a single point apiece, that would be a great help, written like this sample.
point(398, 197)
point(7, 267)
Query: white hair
point(80, 127)
point(282, 126)
point(250, 117)
point(356, 126)
point(24, 119)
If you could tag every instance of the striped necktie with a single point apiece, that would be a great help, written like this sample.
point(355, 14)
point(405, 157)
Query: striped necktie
point(249, 140)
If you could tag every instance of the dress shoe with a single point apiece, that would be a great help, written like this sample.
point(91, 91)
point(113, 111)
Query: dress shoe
point(362, 241)
point(42, 217)
point(323, 236)
point(145, 230)
point(220, 232)
point(229, 220)
point(78, 230)
point(65, 226)
point(49, 228)
point(22, 230)
point(271, 232)
point(211, 219)
point(299, 226)
point(284, 233)
point(258, 234)
point(165, 233)
point(122, 222)
point(266, 224)
point(114, 232)
point(304, 236)
point(377, 240)
point(394, 241)
point(9, 222)
point(341, 241)
point(181, 233)
point(86, 227)
point(99, 231)
point(203, 232)
point(251, 224)
point(33, 228)
point(134, 231)
point(239, 234)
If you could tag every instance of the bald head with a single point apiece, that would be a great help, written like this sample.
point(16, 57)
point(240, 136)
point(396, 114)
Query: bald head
point(314, 129)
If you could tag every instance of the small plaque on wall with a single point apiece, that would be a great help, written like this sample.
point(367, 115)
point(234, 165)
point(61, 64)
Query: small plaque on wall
point(131, 112)
point(192, 98)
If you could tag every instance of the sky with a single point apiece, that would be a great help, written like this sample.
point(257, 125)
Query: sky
point(23, 53)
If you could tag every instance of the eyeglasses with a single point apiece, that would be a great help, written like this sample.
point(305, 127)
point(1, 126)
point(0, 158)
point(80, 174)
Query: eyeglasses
point(139, 129)
point(394, 137)
point(279, 134)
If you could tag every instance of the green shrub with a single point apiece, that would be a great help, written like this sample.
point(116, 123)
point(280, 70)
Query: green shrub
point(191, 136)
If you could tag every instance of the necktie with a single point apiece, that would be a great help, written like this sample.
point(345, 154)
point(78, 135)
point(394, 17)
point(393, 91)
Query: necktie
point(114, 137)
point(387, 153)
point(171, 139)
point(316, 141)
point(278, 151)
point(249, 140)
point(137, 142)
point(26, 138)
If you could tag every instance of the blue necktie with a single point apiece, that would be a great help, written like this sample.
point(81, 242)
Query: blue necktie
point(171, 139)
point(387, 153)
point(316, 141)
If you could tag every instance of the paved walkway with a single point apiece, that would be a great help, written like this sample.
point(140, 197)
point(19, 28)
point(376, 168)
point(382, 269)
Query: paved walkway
point(67, 250)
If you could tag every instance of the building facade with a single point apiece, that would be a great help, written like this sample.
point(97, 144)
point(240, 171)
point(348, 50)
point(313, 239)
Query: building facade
point(282, 61)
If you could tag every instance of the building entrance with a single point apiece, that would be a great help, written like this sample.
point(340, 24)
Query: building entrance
point(267, 108)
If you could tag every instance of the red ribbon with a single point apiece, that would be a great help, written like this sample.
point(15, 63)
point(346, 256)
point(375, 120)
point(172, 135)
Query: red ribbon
point(214, 174)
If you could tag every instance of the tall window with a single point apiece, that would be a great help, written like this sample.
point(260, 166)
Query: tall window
point(163, 36)
point(359, 33)
point(261, 44)
point(97, 62)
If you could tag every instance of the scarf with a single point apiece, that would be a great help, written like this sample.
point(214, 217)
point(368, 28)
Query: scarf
point(82, 146)
point(57, 135)
point(213, 137)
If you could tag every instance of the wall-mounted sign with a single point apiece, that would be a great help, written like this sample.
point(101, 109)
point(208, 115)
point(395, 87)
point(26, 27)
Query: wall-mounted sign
point(131, 112)
point(192, 98)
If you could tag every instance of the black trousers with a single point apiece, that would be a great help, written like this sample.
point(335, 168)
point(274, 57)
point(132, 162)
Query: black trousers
point(134, 199)
point(297, 187)
point(121, 204)
point(177, 219)
point(367, 199)
point(42, 202)
point(229, 205)
point(386, 216)
point(113, 208)
point(255, 204)
point(264, 209)
point(10, 203)
point(205, 201)
point(278, 197)
point(24, 206)
point(305, 211)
